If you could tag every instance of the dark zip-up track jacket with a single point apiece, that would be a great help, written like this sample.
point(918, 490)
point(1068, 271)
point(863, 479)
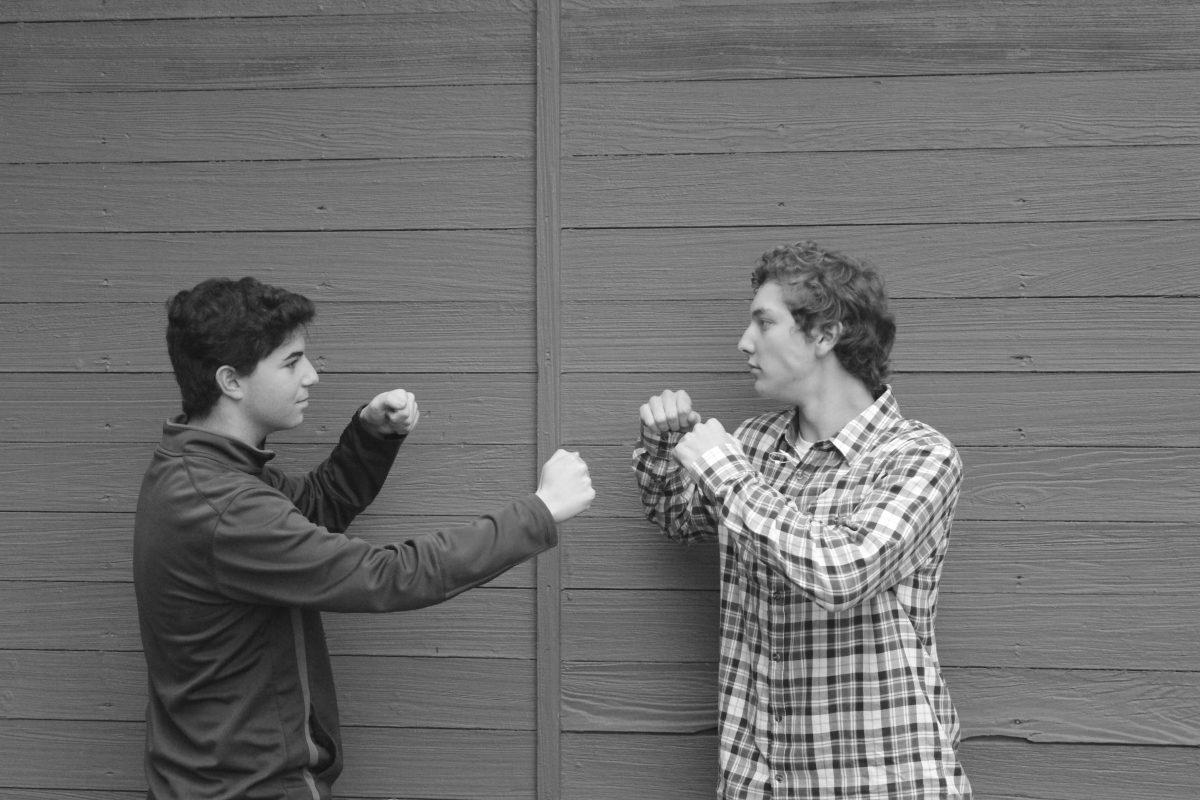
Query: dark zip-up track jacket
point(233, 563)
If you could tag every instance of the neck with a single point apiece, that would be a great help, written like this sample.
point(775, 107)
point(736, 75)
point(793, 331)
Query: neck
point(222, 422)
point(829, 407)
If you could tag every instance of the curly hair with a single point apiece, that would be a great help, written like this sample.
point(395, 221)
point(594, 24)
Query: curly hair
point(823, 287)
point(223, 322)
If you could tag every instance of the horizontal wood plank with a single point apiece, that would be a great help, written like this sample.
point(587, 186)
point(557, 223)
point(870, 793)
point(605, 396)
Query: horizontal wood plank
point(268, 195)
point(495, 694)
point(380, 762)
point(74, 10)
point(414, 49)
point(1078, 259)
point(1083, 184)
point(1052, 484)
point(308, 124)
point(482, 623)
point(346, 337)
point(967, 335)
point(915, 113)
point(974, 630)
point(73, 546)
point(427, 479)
point(355, 266)
point(982, 409)
point(459, 408)
point(631, 41)
point(1043, 705)
point(1009, 558)
point(616, 767)
point(1063, 484)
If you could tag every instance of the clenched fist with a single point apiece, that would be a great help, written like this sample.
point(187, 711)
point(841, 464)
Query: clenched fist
point(669, 411)
point(703, 437)
point(391, 413)
point(565, 485)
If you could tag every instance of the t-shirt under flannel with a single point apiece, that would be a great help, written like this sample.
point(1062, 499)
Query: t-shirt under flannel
point(829, 678)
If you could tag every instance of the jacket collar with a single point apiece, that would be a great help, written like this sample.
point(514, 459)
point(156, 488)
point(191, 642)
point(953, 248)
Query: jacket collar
point(179, 437)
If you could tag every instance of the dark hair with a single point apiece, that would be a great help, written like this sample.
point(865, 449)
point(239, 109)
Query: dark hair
point(226, 322)
point(823, 287)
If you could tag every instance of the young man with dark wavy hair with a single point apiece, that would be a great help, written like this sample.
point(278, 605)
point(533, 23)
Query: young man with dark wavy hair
point(833, 517)
point(234, 561)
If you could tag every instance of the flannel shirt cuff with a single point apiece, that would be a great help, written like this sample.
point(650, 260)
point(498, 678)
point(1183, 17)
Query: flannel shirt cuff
point(659, 446)
point(720, 467)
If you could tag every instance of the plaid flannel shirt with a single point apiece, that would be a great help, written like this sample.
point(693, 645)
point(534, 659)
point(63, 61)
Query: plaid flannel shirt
point(829, 678)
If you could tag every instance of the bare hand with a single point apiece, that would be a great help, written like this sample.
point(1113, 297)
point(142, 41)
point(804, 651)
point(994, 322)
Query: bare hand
point(669, 411)
point(391, 413)
point(704, 437)
point(565, 485)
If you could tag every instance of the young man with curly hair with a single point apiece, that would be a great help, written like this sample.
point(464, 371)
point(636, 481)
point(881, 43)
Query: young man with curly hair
point(833, 517)
point(234, 561)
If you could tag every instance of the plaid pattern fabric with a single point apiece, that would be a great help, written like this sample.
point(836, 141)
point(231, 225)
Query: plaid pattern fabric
point(830, 560)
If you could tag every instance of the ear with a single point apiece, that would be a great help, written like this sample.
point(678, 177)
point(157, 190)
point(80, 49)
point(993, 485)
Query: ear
point(827, 337)
point(228, 382)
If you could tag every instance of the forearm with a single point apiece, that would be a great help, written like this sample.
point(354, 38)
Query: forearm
point(837, 562)
point(347, 481)
point(278, 557)
point(670, 498)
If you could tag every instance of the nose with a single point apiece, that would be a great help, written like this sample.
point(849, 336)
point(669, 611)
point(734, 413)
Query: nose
point(311, 375)
point(745, 344)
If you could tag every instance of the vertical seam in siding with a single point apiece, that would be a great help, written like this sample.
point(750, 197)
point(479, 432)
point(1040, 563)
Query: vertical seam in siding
point(548, 247)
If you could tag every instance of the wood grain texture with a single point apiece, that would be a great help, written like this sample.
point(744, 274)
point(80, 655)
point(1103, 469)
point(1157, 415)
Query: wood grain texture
point(413, 49)
point(349, 266)
point(481, 623)
point(375, 691)
point(268, 195)
point(1062, 484)
point(1052, 484)
point(1079, 259)
point(1043, 705)
point(351, 337)
point(917, 113)
point(548, 123)
point(615, 767)
point(987, 409)
point(456, 408)
point(1030, 630)
point(74, 10)
point(1014, 335)
point(1006, 557)
point(427, 480)
point(98, 547)
point(306, 124)
point(1079, 184)
point(688, 41)
point(380, 762)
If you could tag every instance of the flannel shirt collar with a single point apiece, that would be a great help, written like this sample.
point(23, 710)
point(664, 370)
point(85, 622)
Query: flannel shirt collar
point(859, 435)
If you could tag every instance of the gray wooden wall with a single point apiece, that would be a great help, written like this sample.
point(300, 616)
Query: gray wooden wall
point(534, 214)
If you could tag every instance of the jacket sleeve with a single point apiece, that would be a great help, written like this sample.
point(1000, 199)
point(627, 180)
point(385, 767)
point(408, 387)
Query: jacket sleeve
point(265, 551)
point(345, 483)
